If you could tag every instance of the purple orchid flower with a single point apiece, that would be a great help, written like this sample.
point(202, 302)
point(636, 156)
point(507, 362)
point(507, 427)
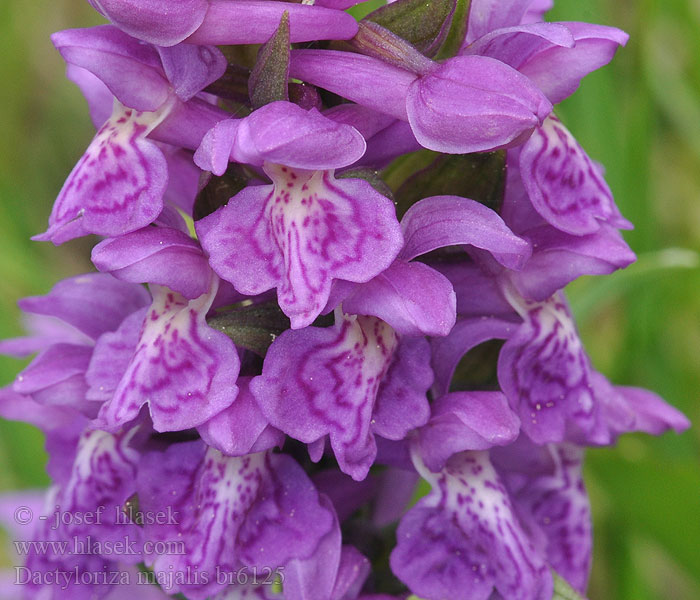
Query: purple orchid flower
point(102, 478)
point(168, 22)
point(368, 374)
point(466, 104)
point(225, 456)
point(546, 487)
point(548, 378)
point(275, 517)
point(565, 187)
point(347, 382)
point(558, 257)
point(307, 228)
point(119, 183)
point(542, 368)
point(183, 369)
point(67, 323)
point(464, 540)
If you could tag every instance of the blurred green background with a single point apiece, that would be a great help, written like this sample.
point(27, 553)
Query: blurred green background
point(640, 117)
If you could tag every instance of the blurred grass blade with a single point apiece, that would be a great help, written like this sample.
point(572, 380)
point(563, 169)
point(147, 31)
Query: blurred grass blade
point(649, 267)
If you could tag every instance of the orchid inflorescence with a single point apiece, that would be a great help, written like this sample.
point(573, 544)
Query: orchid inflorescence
point(352, 367)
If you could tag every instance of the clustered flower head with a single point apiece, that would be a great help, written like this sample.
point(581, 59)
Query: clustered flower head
point(328, 335)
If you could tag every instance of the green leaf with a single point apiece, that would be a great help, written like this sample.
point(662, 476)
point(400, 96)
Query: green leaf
point(480, 177)
point(251, 326)
point(270, 75)
point(423, 23)
point(232, 89)
point(457, 33)
point(404, 166)
point(562, 590)
point(370, 176)
point(477, 369)
point(650, 266)
point(215, 192)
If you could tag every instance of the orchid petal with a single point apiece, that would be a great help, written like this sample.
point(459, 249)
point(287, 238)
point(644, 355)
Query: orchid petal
point(118, 184)
point(474, 104)
point(466, 421)
point(402, 404)
point(551, 495)
point(241, 428)
point(100, 100)
point(286, 134)
point(560, 258)
point(191, 68)
point(557, 70)
point(299, 235)
point(536, 10)
point(184, 370)
point(45, 331)
point(111, 356)
point(564, 185)
point(313, 578)
point(131, 70)
point(319, 382)
point(58, 372)
point(104, 474)
point(652, 414)
point(412, 297)
point(257, 20)
point(545, 372)
point(282, 133)
point(92, 303)
point(478, 292)
point(362, 79)
point(275, 515)
point(214, 151)
point(514, 45)
point(464, 539)
point(442, 221)
point(160, 22)
point(488, 15)
point(160, 255)
point(352, 573)
point(627, 409)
